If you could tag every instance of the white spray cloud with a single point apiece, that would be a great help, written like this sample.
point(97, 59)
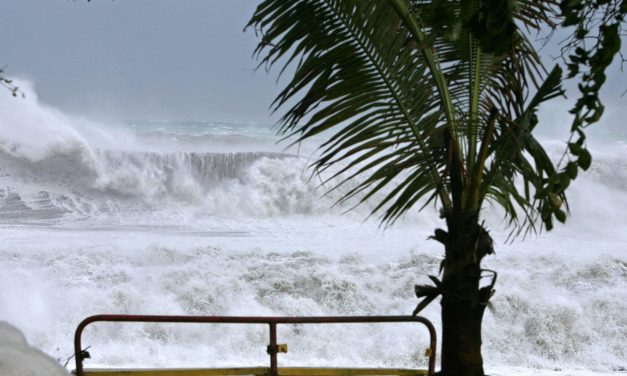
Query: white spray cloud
point(18, 358)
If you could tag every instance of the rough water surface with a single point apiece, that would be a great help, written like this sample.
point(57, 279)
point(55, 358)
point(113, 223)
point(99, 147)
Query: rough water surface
point(203, 218)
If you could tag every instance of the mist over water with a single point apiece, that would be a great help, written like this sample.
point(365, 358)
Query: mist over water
point(207, 218)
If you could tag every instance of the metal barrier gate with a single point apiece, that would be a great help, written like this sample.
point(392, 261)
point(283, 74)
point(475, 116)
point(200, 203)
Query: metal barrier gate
point(273, 348)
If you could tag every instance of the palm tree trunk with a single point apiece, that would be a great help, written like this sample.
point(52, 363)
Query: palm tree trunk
point(461, 330)
point(463, 301)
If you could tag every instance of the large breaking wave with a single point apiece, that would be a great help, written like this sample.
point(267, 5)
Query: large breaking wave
point(52, 165)
point(117, 181)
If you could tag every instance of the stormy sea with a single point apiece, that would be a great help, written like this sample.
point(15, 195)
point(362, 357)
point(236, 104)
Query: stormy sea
point(210, 218)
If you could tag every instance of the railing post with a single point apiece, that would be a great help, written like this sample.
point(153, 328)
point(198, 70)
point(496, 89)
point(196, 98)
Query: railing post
point(272, 350)
point(78, 352)
point(79, 365)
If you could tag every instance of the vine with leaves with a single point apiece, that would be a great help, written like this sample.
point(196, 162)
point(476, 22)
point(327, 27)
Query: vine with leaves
point(587, 52)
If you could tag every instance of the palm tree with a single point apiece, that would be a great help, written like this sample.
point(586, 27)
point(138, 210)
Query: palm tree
point(438, 100)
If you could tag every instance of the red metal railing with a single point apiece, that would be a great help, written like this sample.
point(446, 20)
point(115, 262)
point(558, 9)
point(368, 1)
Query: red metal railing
point(271, 321)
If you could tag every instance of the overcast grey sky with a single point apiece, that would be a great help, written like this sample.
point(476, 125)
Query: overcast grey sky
point(139, 59)
point(162, 59)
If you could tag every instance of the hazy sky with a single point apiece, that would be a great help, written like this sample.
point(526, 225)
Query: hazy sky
point(139, 59)
point(160, 59)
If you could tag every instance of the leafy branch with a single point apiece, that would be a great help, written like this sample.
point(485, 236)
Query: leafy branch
point(587, 52)
point(7, 83)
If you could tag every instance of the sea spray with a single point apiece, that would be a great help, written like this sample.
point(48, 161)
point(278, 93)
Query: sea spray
point(98, 217)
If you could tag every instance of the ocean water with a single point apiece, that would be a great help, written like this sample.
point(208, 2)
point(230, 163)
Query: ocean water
point(207, 218)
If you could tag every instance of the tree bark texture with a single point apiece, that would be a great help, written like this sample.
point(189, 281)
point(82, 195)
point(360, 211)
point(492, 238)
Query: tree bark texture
point(463, 300)
point(461, 333)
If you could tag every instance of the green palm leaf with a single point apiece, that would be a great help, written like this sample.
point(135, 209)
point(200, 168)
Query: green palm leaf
point(424, 106)
point(352, 72)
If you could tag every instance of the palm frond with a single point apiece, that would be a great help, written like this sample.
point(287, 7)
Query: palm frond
point(414, 95)
point(517, 153)
point(368, 79)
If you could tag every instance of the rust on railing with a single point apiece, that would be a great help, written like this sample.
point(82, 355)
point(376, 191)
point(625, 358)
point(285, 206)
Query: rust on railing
point(273, 347)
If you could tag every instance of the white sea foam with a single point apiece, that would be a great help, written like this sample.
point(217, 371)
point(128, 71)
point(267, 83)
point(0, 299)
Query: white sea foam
point(97, 218)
